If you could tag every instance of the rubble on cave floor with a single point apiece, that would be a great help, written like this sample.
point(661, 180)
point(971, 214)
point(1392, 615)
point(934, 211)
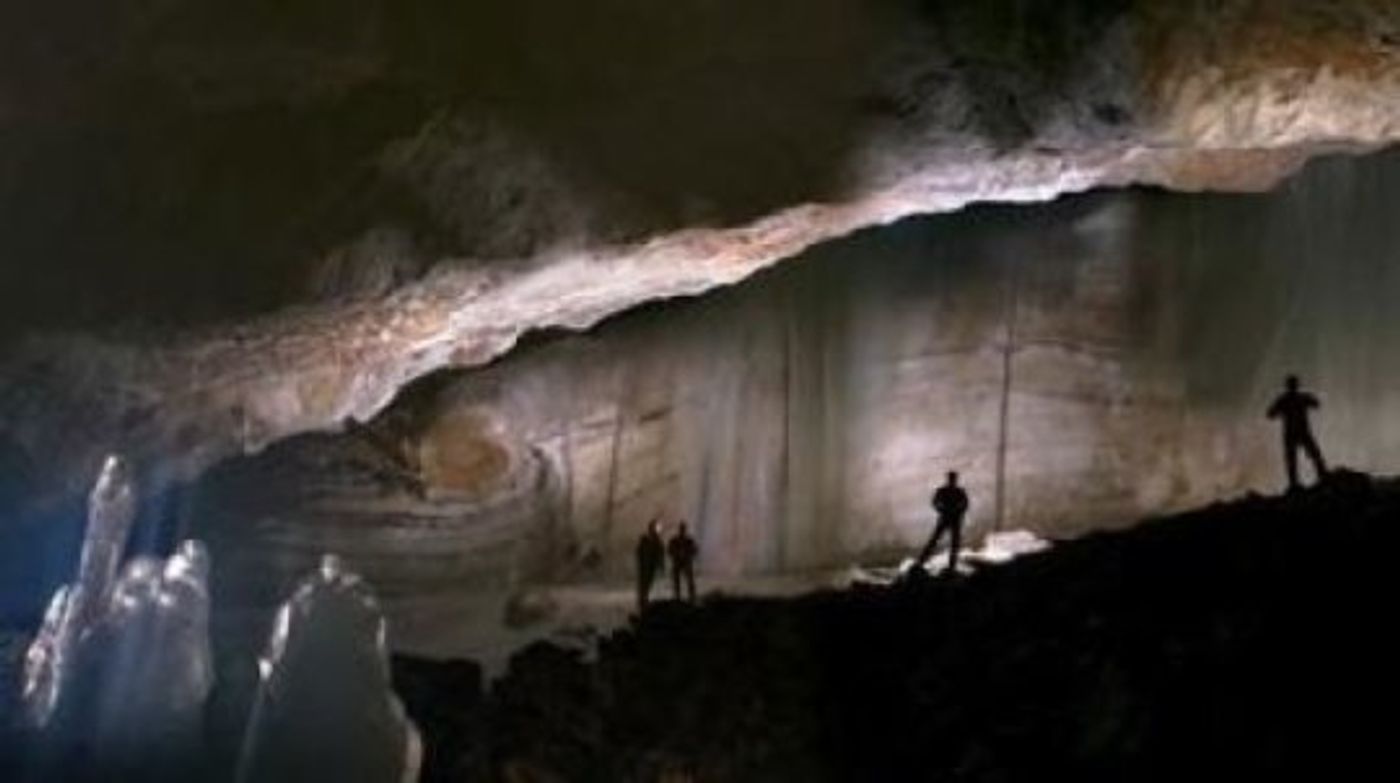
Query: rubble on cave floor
point(1244, 638)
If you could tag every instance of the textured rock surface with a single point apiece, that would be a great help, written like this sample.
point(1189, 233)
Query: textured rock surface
point(428, 180)
point(1118, 349)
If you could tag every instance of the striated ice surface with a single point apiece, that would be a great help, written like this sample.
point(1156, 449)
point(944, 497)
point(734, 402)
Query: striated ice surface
point(325, 709)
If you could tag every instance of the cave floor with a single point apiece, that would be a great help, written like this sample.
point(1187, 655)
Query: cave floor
point(448, 624)
point(1247, 639)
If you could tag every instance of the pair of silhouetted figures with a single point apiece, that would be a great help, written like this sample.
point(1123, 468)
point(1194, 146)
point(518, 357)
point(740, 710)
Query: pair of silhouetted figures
point(1293, 408)
point(652, 554)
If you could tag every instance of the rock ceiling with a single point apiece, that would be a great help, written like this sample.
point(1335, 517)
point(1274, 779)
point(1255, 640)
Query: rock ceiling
point(227, 223)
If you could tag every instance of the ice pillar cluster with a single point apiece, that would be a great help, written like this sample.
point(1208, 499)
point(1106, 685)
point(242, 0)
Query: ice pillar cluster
point(121, 666)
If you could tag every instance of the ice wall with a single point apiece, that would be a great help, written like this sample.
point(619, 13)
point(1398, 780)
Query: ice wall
point(241, 222)
point(1117, 349)
point(1083, 363)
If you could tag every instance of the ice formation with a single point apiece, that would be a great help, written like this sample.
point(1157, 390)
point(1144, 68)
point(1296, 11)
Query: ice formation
point(1003, 547)
point(997, 548)
point(325, 709)
point(122, 663)
point(75, 608)
point(152, 659)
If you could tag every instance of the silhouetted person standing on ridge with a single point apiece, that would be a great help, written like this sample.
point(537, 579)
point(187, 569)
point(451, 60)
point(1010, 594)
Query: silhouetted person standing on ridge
point(1293, 407)
point(683, 551)
point(651, 556)
point(950, 504)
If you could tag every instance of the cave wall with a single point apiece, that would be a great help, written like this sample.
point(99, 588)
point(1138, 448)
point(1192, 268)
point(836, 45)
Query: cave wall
point(226, 223)
point(803, 420)
point(800, 420)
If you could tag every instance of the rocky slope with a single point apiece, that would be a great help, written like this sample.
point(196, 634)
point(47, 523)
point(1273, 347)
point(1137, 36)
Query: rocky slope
point(1244, 639)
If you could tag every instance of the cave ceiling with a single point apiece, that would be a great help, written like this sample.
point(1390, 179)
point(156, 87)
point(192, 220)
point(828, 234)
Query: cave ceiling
point(227, 223)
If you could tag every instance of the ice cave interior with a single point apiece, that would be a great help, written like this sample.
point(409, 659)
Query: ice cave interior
point(391, 331)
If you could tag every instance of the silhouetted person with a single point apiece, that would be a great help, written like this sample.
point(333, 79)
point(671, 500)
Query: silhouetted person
point(1293, 408)
point(651, 556)
point(683, 551)
point(950, 504)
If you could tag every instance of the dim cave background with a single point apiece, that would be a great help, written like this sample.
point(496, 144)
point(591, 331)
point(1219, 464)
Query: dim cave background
point(465, 294)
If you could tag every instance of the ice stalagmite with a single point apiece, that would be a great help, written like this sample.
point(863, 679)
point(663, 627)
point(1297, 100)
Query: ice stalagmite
point(325, 709)
point(76, 607)
point(152, 659)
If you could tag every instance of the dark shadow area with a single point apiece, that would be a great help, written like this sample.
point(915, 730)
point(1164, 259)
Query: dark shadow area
point(1246, 640)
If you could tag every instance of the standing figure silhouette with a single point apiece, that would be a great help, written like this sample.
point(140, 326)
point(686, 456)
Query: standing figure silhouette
point(950, 504)
point(1293, 408)
point(683, 551)
point(651, 556)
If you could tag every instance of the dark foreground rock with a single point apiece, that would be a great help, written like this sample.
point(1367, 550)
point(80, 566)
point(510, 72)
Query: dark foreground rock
point(1246, 639)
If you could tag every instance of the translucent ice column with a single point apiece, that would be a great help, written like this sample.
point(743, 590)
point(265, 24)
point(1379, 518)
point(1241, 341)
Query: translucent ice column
point(152, 659)
point(325, 709)
point(76, 607)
